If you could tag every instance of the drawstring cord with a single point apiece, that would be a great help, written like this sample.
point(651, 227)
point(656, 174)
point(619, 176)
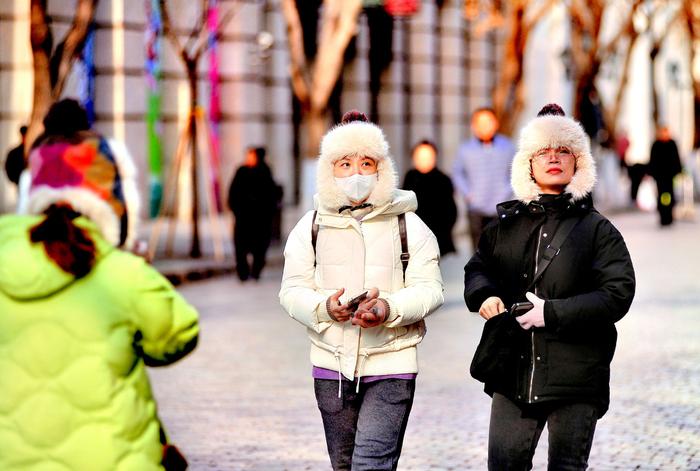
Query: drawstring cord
point(340, 376)
point(359, 370)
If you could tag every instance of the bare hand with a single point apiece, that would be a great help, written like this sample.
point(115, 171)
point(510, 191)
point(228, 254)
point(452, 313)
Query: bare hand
point(493, 306)
point(371, 312)
point(337, 311)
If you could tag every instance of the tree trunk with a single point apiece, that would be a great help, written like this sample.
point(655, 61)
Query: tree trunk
point(41, 42)
point(51, 70)
point(313, 85)
point(195, 250)
point(653, 54)
point(613, 116)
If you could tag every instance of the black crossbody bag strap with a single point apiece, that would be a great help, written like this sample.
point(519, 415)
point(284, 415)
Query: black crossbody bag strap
point(552, 249)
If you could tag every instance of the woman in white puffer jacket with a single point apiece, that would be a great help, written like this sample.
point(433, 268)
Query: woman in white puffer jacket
point(364, 358)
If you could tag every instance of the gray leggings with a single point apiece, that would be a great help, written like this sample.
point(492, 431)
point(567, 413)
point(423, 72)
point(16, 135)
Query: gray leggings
point(364, 431)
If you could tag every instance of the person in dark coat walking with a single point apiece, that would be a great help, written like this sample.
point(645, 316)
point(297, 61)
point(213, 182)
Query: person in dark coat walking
point(253, 197)
point(664, 165)
point(560, 373)
point(15, 163)
point(436, 204)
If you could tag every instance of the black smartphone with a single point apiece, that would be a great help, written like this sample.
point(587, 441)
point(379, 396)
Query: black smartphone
point(518, 309)
point(354, 303)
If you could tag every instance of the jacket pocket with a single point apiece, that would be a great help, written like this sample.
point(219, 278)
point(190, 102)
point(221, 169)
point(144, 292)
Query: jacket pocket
point(573, 365)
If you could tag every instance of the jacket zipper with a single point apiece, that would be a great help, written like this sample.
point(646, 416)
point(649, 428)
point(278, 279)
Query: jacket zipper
point(532, 333)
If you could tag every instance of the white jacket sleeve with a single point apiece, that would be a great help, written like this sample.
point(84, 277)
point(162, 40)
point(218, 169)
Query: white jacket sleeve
point(423, 291)
point(298, 294)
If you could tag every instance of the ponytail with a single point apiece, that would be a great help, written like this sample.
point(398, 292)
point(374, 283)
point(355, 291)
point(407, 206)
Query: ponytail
point(67, 245)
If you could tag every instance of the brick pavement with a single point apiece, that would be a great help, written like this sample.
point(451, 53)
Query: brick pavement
point(244, 400)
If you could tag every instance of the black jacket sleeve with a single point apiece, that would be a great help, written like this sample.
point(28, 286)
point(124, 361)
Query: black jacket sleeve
point(613, 277)
point(479, 280)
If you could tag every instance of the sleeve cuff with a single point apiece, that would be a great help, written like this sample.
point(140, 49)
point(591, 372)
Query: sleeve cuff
point(551, 321)
point(322, 312)
point(392, 313)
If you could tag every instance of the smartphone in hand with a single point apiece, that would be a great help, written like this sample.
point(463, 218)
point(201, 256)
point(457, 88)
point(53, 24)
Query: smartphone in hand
point(518, 309)
point(354, 303)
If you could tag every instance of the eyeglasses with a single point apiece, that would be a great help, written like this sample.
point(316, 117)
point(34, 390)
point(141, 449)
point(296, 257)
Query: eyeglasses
point(563, 153)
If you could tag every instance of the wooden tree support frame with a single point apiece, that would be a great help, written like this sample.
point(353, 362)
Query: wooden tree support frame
point(170, 205)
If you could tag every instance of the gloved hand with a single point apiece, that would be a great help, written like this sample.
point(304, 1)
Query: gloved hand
point(535, 316)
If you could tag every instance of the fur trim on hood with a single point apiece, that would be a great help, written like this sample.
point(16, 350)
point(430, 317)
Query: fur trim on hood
point(361, 139)
point(552, 131)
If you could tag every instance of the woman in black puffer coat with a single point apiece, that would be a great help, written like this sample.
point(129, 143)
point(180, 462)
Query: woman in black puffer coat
point(560, 375)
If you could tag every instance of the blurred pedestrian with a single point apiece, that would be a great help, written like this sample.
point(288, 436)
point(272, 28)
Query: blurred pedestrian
point(82, 315)
point(556, 359)
point(664, 165)
point(363, 353)
point(622, 144)
point(253, 197)
point(481, 170)
point(15, 163)
point(435, 194)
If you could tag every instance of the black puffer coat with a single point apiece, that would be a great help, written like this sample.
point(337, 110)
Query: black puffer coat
point(587, 287)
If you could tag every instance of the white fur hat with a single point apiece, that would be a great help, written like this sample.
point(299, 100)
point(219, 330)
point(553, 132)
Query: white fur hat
point(355, 135)
point(552, 129)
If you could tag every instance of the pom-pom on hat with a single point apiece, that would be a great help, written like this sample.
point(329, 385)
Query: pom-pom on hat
point(551, 129)
point(355, 136)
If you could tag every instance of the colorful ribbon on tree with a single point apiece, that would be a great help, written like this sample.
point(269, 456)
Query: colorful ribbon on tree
point(154, 34)
point(86, 86)
point(214, 98)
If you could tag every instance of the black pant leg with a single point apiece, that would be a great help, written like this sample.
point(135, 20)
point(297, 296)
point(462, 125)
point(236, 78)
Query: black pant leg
point(571, 428)
point(241, 242)
point(512, 437)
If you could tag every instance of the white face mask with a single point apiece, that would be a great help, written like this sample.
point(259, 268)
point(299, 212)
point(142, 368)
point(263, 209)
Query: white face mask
point(357, 187)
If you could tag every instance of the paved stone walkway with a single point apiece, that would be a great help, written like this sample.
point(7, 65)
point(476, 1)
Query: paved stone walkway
point(244, 400)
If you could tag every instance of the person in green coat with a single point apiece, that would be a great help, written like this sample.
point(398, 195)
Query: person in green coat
point(81, 317)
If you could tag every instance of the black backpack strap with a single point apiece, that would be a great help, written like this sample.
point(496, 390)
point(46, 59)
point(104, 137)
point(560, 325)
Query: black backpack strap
point(314, 234)
point(552, 249)
point(404, 243)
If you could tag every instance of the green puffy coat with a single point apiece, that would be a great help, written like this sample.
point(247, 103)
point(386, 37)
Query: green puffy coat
point(74, 394)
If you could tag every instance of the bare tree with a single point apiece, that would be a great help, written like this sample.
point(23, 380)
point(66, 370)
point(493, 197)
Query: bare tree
point(658, 38)
point(690, 11)
point(52, 66)
point(509, 93)
point(313, 83)
point(190, 53)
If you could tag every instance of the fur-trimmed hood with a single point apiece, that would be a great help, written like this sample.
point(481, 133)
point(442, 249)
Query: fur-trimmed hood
point(552, 131)
point(361, 139)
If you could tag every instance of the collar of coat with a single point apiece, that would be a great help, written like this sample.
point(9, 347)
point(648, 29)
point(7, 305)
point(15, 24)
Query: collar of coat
point(401, 201)
point(567, 205)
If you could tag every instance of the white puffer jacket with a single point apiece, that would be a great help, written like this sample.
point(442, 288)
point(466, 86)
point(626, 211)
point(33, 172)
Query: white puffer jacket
point(359, 255)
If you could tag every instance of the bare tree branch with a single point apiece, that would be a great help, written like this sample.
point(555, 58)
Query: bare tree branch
point(73, 42)
point(298, 69)
point(198, 28)
point(339, 25)
point(169, 32)
point(203, 45)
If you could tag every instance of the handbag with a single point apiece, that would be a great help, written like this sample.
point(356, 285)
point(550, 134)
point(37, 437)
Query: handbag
point(495, 355)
